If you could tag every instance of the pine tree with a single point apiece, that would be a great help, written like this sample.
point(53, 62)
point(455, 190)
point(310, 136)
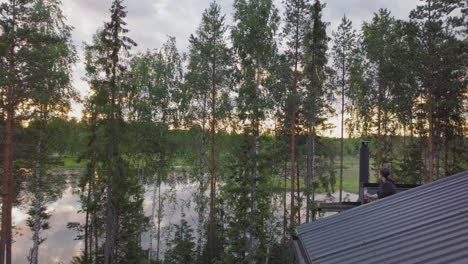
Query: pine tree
point(317, 92)
point(90, 184)
point(295, 31)
point(209, 74)
point(15, 23)
point(440, 24)
point(278, 84)
point(253, 37)
point(405, 66)
point(360, 93)
point(108, 74)
point(377, 42)
point(343, 46)
point(182, 246)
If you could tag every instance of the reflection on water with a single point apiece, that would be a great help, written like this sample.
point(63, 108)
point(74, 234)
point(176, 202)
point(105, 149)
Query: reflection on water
point(60, 245)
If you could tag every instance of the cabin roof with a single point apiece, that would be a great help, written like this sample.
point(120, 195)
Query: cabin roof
point(426, 224)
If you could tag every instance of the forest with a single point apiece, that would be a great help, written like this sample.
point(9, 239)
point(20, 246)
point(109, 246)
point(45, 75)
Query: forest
point(238, 124)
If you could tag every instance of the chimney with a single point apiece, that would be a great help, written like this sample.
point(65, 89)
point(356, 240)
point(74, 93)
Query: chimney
point(363, 168)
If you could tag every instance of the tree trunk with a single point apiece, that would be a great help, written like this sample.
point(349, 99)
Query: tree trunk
point(7, 188)
point(37, 205)
point(299, 203)
point(160, 212)
point(201, 193)
point(38, 196)
point(95, 217)
point(342, 130)
point(379, 128)
point(446, 144)
point(437, 156)
point(96, 235)
point(212, 227)
point(87, 236)
point(89, 214)
point(293, 133)
point(7, 185)
point(285, 211)
point(313, 171)
point(309, 173)
point(430, 103)
point(109, 249)
point(253, 240)
point(151, 231)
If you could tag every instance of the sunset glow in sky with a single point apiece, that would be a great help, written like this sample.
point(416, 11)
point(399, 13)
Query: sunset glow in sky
point(151, 21)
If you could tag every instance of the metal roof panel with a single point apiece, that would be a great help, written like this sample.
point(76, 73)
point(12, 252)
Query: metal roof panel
point(427, 224)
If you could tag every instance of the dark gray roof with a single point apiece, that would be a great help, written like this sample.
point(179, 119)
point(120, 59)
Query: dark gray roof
point(427, 224)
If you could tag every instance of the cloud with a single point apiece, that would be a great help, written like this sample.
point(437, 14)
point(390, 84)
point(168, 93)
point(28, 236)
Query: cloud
point(151, 21)
point(359, 11)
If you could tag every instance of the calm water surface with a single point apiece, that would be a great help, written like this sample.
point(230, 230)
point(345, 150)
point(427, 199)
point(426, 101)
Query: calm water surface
point(60, 245)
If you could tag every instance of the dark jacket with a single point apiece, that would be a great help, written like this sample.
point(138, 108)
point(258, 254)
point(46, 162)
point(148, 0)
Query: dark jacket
point(386, 189)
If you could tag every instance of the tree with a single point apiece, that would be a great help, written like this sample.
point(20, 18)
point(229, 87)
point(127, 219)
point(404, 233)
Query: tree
point(360, 93)
point(278, 84)
point(156, 78)
point(441, 24)
point(253, 38)
point(209, 73)
point(49, 66)
point(108, 77)
point(317, 92)
point(15, 23)
point(295, 31)
point(378, 40)
point(182, 246)
point(343, 46)
point(403, 90)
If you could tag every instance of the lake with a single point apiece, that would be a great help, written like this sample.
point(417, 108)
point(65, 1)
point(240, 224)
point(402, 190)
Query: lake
point(60, 245)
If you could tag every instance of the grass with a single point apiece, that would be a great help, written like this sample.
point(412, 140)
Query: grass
point(71, 163)
point(350, 173)
point(350, 177)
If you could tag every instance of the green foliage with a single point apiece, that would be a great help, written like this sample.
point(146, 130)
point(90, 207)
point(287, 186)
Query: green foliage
point(210, 67)
point(112, 96)
point(317, 93)
point(208, 78)
point(181, 246)
point(253, 39)
point(67, 138)
point(440, 37)
point(146, 122)
point(247, 196)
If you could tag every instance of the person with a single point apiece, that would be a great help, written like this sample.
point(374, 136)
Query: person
point(386, 188)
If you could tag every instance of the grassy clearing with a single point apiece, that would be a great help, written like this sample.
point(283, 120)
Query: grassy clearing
point(72, 163)
point(350, 177)
point(350, 174)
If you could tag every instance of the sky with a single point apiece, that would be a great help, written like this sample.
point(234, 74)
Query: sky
point(151, 21)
